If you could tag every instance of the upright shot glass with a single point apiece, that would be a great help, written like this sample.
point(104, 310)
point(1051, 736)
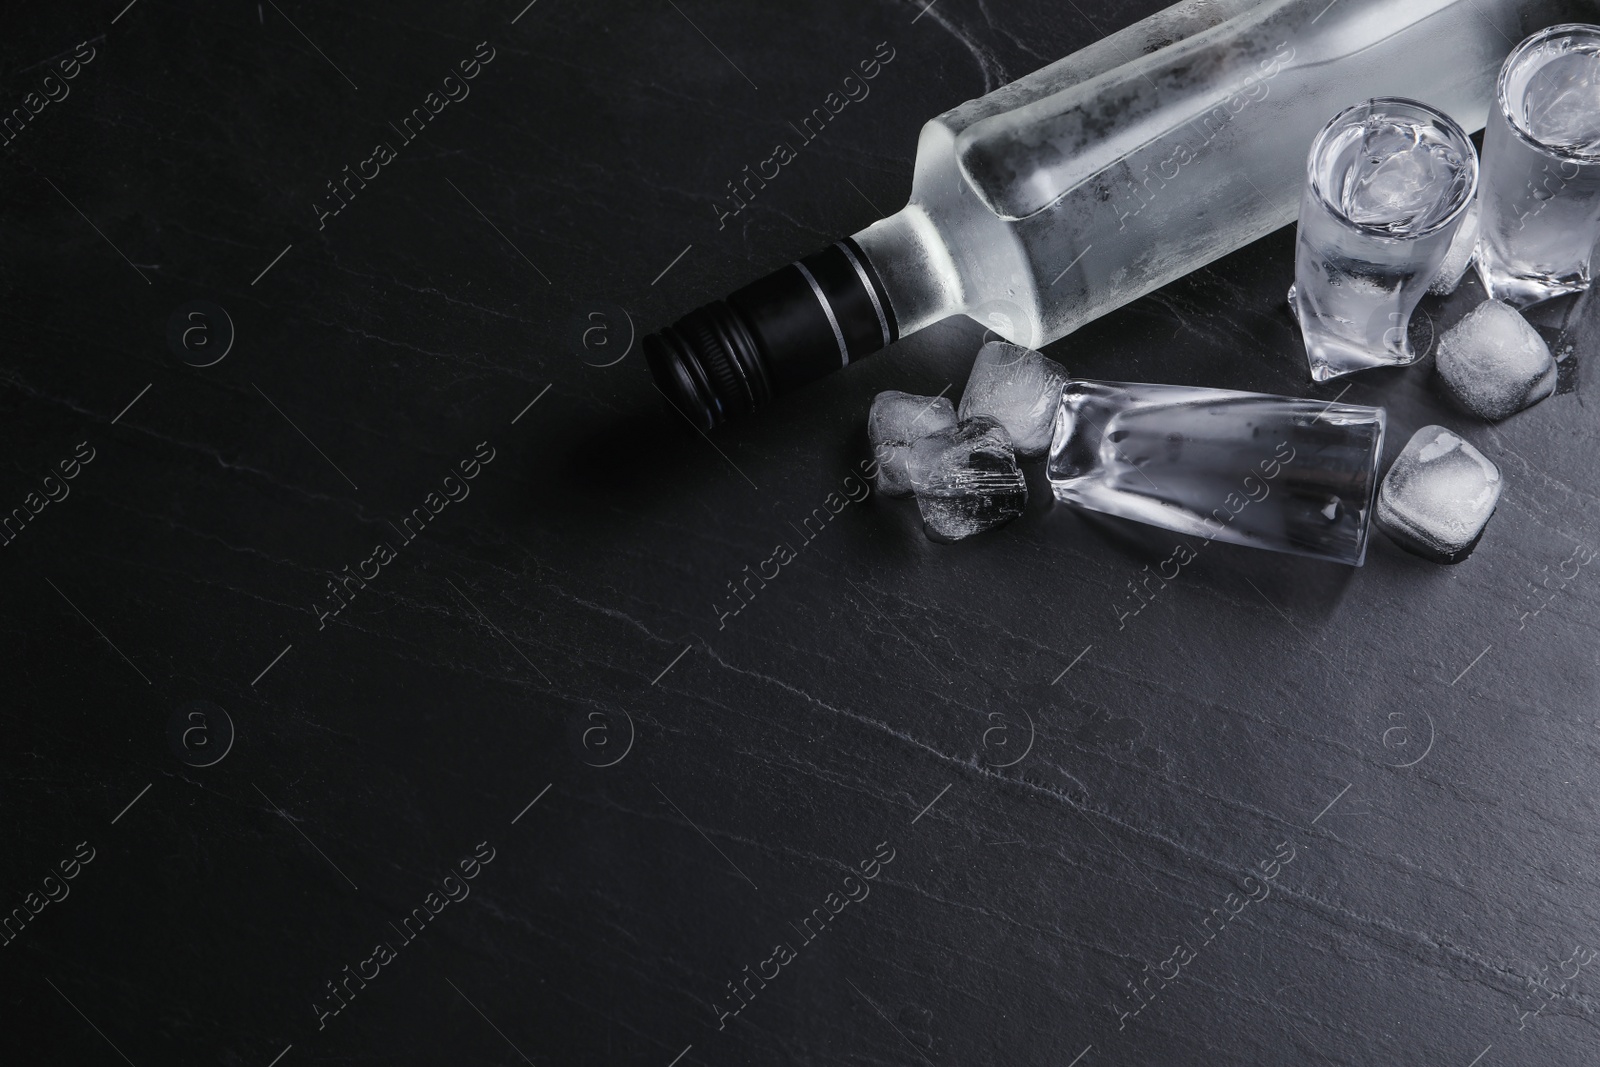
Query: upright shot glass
point(1388, 182)
point(1540, 214)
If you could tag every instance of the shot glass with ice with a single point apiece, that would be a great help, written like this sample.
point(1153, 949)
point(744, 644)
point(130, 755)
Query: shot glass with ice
point(1541, 168)
point(1388, 183)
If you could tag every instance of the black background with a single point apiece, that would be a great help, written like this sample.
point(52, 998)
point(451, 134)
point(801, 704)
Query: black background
point(1422, 737)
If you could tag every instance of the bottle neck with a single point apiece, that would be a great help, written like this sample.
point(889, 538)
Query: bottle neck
point(797, 324)
point(732, 356)
point(912, 260)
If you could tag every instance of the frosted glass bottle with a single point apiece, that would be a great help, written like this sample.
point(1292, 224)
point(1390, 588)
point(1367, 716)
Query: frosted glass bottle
point(1095, 180)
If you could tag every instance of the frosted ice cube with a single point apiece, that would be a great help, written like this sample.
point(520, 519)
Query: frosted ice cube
point(1438, 496)
point(1018, 387)
point(897, 421)
point(1494, 363)
point(1456, 261)
point(966, 478)
point(1561, 105)
point(1402, 178)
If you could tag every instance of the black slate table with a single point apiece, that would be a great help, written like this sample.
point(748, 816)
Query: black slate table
point(372, 690)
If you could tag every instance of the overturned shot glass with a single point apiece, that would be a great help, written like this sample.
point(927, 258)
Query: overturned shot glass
point(1274, 472)
point(1388, 183)
point(1541, 168)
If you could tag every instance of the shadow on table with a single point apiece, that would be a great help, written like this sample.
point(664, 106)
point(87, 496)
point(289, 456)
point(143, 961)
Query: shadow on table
point(646, 455)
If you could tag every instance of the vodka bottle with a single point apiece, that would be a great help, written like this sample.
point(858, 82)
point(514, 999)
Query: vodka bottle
point(1095, 180)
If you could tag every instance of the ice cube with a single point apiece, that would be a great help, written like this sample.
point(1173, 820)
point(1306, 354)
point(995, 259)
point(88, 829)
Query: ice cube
point(1018, 387)
point(1438, 496)
point(966, 478)
point(1403, 176)
point(1494, 363)
point(897, 421)
point(1456, 261)
point(1394, 177)
point(1561, 104)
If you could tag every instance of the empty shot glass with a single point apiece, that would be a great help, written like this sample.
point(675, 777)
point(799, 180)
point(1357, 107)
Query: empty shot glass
point(1388, 183)
point(1540, 213)
point(1275, 472)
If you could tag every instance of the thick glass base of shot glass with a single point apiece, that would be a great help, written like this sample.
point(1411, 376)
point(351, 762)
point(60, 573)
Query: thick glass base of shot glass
point(1282, 473)
point(1520, 289)
point(1331, 355)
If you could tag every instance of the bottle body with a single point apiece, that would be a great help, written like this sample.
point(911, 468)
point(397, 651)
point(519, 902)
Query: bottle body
point(1083, 186)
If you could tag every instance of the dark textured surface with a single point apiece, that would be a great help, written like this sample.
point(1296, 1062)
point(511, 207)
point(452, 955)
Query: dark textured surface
point(1422, 738)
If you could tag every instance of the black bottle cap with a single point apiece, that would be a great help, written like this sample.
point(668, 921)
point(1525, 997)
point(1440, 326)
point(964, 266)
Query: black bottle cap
point(732, 356)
